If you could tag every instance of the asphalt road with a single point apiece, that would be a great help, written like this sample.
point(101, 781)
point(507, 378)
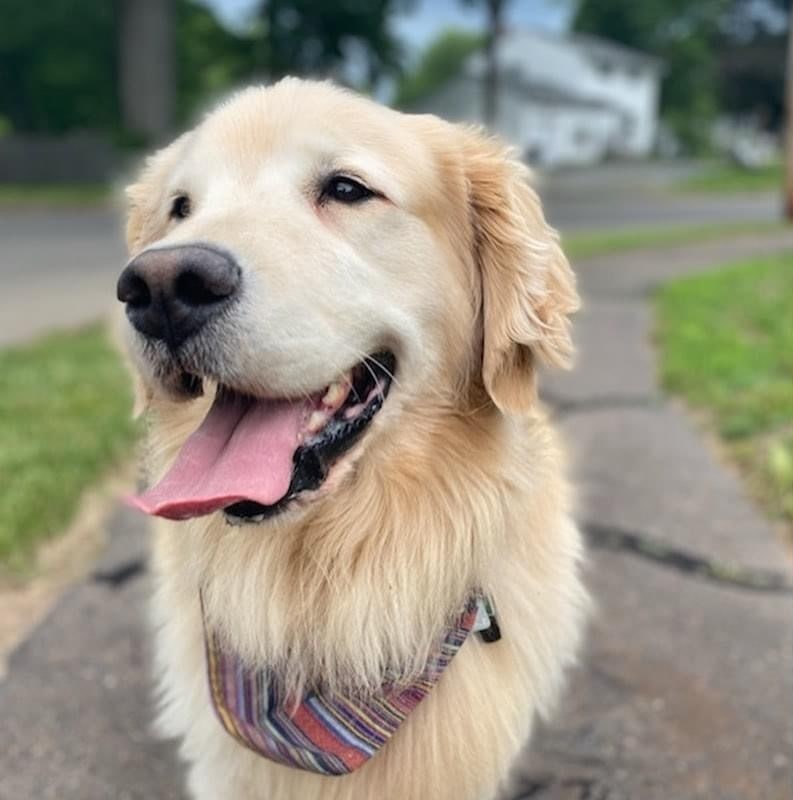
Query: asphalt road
point(59, 267)
point(620, 196)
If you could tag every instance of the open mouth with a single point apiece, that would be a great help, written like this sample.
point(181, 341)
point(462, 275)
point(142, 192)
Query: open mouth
point(251, 457)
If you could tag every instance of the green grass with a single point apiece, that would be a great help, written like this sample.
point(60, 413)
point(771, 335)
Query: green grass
point(730, 178)
point(727, 348)
point(13, 194)
point(65, 417)
point(597, 243)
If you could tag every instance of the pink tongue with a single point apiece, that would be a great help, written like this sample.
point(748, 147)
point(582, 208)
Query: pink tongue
point(242, 451)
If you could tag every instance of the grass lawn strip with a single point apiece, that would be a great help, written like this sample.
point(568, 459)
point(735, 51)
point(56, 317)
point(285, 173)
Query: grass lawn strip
point(731, 178)
point(602, 242)
point(54, 195)
point(726, 343)
point(65, 418)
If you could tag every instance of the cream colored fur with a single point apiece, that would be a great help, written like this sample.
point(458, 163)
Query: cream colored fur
point(459, 481)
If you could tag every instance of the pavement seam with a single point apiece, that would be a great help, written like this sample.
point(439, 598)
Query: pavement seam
point(723, 573)
point(565, 408)
point(121, 574)
point(586, 788)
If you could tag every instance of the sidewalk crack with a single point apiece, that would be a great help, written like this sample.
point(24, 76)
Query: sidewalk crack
point(566, 408)
point(118, 576)
point(650, 548)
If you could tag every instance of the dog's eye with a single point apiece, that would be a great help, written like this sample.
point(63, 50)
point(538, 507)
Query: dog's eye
point(180, 207)
point(345, 190)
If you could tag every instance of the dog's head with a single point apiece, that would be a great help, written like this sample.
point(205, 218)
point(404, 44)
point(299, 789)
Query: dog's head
point(326, 271)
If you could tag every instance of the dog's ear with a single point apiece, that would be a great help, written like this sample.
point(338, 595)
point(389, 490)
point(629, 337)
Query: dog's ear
point(146, 196)
point(528, 288)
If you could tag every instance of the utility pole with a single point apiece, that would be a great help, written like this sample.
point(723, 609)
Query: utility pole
point(495, 9)
point(147, 68)
point(789, 123)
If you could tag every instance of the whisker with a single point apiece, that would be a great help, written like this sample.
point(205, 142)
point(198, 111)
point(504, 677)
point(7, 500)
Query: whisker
point(382, 367)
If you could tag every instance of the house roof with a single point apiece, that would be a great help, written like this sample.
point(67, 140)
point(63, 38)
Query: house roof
point(601, 52)
point(516, 71)
point(614, 52)
point(545, 93)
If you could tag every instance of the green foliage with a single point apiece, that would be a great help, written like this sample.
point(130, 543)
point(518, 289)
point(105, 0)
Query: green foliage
point(53, 195)
point(723, 178)
point(58, 60)
point(313, 37)
point(211, 58)
point(718, 54)
point(681, 33)
point(751, 49)
point(439, 62)
point(780, 473)
point(727, 347)
point(58, 64)
point(65, 417)
point(751, 78)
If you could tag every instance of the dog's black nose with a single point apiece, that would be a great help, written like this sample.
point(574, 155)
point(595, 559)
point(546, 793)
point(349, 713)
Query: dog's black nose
point(173, 292)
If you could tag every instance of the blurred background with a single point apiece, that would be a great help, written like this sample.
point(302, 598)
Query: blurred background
point(657, 134)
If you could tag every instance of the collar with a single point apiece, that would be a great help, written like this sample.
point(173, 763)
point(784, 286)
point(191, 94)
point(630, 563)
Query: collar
point(329, 734)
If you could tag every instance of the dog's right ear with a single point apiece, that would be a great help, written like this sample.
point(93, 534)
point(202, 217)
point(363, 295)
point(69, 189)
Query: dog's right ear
point(528, 288)
point(146, 196)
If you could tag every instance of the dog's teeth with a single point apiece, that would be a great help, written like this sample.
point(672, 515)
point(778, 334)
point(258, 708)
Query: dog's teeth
point(335, 394)
point(353, 411)
point(317, 420)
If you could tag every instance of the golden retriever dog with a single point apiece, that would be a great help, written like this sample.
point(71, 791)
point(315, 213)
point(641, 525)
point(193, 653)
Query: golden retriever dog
point(366, 570)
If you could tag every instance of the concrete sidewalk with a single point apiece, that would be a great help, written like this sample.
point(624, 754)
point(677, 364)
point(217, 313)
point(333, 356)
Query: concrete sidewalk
point(685, 690)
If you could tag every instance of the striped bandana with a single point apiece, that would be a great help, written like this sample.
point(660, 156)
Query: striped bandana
point(324, 733)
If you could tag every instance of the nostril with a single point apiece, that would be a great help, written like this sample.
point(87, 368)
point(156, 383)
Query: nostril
point(133, 290)
point(172, 292)
point(193, 289)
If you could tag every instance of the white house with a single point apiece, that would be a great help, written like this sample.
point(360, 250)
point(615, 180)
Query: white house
point(562, 100)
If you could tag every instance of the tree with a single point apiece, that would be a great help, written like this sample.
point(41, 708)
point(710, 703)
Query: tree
point(751, 48)
point(315, 37)
point(211, 58)
point(751, 81)
point(718, 54)
point(490, 86)
point(111, 64)
point(147, 68)
point(441, 61)
point(789, 130)
point(58, 65)
point(78, 64)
